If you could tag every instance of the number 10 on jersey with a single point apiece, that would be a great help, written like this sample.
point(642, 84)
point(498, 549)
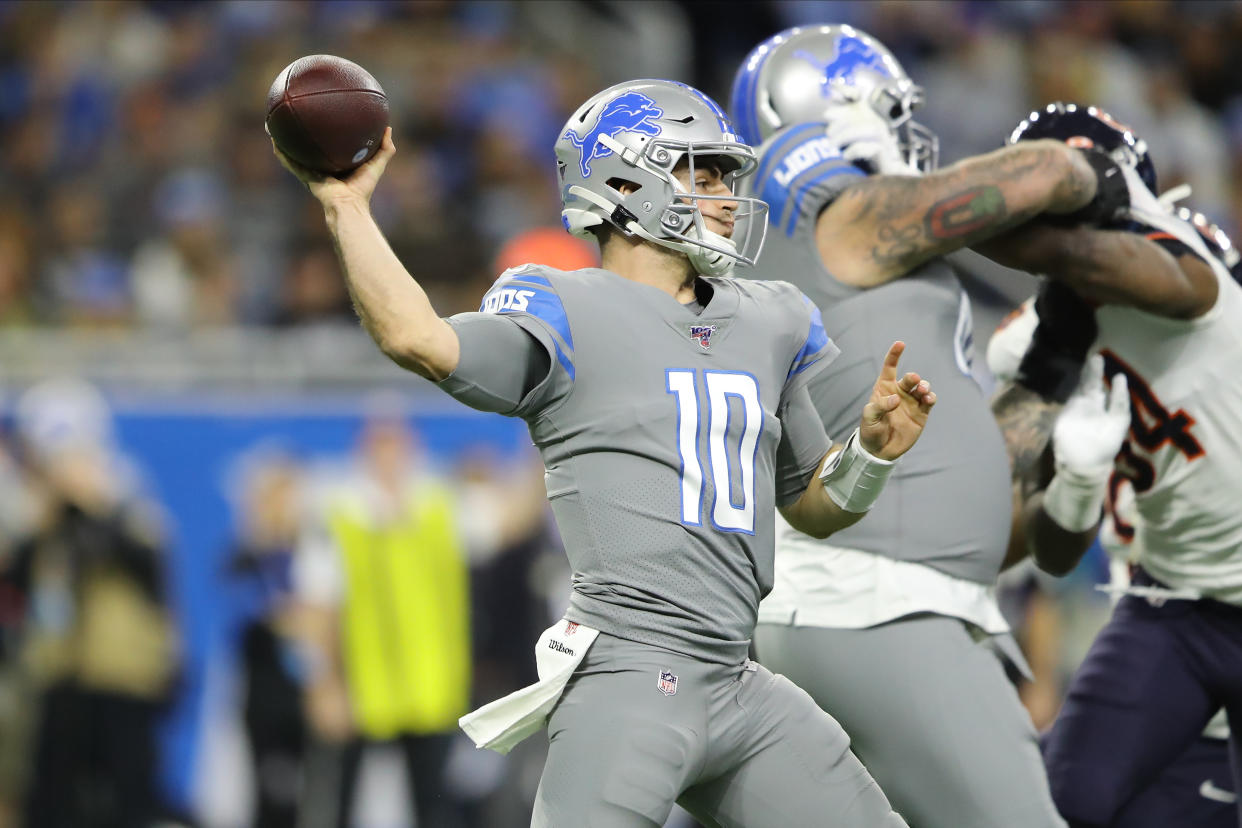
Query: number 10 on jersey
point(730, 448)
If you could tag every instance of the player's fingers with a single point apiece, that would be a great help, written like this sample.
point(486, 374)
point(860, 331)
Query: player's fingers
point(379, 162)
point(875, 410)
point(1119, 396)
point(929, 399)
point(909, 382)
point(387, 146)
point(888, 371)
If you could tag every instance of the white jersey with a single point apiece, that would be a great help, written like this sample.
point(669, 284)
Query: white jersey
point(1184, 452)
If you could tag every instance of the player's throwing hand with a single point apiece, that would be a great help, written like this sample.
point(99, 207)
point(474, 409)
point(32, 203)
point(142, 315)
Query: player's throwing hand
point(356, 186)
point(893, 418)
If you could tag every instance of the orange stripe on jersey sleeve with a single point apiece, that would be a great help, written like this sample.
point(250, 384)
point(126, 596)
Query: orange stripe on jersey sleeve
point(1161, 235)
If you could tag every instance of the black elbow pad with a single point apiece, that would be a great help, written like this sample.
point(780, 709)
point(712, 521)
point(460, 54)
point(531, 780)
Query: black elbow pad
point(1053, 362)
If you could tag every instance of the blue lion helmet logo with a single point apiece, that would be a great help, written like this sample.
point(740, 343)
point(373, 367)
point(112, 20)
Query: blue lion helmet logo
point(852, 54)
point(628, 112)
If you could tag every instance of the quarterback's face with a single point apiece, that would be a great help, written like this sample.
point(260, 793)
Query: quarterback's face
point(709, 180)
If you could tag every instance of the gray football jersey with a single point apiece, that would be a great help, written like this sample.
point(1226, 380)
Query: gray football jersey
point(947, 504)
point(668, 438)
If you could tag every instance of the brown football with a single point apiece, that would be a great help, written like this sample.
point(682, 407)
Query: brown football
point(327, 113)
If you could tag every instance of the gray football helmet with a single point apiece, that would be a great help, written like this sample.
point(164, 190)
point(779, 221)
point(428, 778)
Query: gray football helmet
point(637, 133)
point(798, 75)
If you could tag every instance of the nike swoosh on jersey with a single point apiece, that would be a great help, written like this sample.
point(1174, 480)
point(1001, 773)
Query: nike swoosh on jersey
point(1208, 790)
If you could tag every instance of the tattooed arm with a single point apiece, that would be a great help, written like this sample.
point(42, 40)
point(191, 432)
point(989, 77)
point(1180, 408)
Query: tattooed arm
point(1025, 420)
point(884, 226)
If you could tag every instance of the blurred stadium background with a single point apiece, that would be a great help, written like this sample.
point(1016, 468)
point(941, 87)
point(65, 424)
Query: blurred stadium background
point(171, 311)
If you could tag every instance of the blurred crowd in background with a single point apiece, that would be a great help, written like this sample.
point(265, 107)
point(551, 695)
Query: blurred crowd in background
point(137, 187)
point(139, 195)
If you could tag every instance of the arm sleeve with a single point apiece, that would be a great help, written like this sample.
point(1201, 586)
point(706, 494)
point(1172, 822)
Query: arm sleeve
point(816, 353)
point(502, 363)
point(517, 352)
point(803, 443)
point(801, 171)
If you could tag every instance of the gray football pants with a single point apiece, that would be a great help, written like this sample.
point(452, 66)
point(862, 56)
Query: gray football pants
point(735, 746)
point(931, 715)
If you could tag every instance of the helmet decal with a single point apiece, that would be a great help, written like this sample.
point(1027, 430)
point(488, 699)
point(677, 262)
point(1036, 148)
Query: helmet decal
point(628, 112)
point(801, 74)
point(851, 55)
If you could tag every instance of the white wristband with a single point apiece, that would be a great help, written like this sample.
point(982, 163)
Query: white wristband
point(853, 477)
point(1074, 500)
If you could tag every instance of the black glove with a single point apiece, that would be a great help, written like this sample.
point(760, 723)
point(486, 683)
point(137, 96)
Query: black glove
point(1112, 195)
point(1053, 362)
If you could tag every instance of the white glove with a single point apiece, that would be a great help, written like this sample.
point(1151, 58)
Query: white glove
point(864, 136)
point(1093, 425)
point(1085, 439)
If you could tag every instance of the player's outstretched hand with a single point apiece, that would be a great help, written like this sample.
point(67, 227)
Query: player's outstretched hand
point(1094, 423)
point(356, 186)
point(893, 418)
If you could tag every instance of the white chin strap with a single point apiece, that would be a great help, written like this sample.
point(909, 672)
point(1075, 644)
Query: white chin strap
point(706, 261)
point(711, 262)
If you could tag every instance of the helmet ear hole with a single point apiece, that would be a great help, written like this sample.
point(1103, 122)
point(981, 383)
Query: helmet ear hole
point(624, 186)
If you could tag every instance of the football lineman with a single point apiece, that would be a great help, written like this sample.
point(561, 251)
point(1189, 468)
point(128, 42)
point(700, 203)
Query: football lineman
point(896, 633)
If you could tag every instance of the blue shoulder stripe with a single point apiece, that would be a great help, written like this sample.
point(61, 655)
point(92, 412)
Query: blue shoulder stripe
point(842, 168)
point(812, 349)
point(534, 296)
point(796, 162)
point(776, 152)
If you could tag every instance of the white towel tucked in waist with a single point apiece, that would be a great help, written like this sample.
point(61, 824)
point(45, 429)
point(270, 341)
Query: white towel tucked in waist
point(500, 725)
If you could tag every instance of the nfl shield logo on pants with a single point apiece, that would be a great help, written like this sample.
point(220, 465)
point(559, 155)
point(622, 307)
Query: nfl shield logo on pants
point(667, 683)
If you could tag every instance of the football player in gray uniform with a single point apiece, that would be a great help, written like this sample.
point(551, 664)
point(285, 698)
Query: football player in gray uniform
point(670, 406)
point(896, 632)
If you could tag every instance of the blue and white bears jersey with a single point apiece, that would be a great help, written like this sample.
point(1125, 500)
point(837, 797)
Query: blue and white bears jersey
point(954, 483)
point(668, 445)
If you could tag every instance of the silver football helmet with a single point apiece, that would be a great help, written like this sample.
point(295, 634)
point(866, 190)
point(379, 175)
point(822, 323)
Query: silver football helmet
point(801, 73)
point(636, 133)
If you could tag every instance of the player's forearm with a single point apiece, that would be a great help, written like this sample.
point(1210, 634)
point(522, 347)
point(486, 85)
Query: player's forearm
point(1026, 422)
point(815, 513)
point(1056, 550)
point(393, 307)
point(885, 225)
point(1110, 267)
